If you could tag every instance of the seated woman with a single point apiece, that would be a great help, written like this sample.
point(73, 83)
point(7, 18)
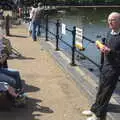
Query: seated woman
point(5, 51)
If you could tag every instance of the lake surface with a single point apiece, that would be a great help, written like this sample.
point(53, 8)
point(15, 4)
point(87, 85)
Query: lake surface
point(93, 21)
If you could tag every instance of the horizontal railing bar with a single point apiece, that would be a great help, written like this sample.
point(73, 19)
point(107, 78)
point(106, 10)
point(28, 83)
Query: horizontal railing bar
point(52, 33)
point(68, 30)
point(88, 39)
point(88, 58)
point(65, 43)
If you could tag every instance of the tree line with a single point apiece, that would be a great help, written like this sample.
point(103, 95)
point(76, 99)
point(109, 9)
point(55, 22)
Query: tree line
point(20, 3)
point(78, 2)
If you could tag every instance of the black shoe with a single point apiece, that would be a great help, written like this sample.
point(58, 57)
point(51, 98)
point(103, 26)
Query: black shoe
point(20, 91)
point(20, 101)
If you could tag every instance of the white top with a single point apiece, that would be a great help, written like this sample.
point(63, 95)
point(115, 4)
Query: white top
point(31, 12)
point(36, 13)
point(115, 33)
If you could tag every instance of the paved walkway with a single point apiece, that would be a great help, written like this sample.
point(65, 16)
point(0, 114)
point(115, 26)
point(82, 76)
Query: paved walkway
point(52, 93)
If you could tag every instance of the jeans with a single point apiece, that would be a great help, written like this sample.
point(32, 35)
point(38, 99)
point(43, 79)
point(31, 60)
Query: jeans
point(13, 74)
point(35, 29)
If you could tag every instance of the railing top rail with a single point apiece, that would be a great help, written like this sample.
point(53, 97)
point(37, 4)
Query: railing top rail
point(88, 39)
point(69, 29)
point(73, 30)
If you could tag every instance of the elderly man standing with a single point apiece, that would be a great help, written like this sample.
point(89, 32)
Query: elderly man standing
point(110, 70)
point(36, 20)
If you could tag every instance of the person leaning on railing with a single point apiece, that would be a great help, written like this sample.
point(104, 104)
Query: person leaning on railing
point(110, 70)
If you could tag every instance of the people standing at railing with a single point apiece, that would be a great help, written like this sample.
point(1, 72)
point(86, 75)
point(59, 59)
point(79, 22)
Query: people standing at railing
point(36, 20)
point(110, 70)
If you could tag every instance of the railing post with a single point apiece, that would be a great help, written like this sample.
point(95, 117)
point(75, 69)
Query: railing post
point(46, 28)
point(102, 54)
point(57, 35)
point(7, 25)
point(73, 46)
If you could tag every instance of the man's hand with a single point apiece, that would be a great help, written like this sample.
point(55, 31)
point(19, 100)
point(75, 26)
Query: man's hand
point(102, 47)
point(105, 50)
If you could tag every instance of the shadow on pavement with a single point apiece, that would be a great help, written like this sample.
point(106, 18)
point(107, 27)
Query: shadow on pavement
point(21, 36)
point(17, 55)
point(20, 57)
point(32, 111)
point(29, 88)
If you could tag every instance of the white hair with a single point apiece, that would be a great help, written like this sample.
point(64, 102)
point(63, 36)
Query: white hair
point(116, 14)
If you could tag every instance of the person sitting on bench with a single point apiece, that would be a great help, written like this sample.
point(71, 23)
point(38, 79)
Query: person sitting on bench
point(5, 51)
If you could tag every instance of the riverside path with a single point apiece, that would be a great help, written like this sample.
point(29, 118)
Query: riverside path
point(52, 93)
point(55, 89)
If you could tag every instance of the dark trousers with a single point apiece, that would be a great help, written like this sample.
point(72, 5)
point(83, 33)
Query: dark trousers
point(35, 29)
point(107, 84)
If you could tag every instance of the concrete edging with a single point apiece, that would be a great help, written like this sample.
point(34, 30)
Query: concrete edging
point(84, 79)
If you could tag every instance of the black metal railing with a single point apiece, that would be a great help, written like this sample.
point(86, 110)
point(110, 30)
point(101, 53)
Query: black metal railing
point(57, 37)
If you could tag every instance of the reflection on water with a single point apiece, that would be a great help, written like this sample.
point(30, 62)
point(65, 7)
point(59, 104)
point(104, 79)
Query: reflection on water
point(92, 20)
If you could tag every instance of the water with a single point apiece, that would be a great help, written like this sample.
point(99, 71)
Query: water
point(94, 23)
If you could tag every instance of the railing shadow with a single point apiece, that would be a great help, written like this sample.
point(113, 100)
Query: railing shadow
point(21, 36)
point(17, 55)
point(20, 57)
